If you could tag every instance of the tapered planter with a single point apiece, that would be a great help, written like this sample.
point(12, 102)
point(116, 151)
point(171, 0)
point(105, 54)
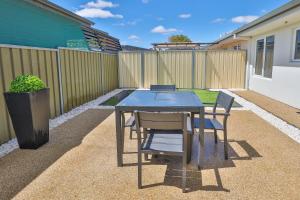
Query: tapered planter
point(30, 113)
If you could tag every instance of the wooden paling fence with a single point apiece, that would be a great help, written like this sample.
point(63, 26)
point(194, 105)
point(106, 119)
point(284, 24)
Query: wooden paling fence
point(186, 69)
point(74, 77)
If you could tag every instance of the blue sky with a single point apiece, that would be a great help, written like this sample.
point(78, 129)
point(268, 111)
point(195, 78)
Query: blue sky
point(142, 22)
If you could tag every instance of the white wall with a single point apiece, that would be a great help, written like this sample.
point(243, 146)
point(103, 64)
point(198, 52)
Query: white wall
point(285, 83)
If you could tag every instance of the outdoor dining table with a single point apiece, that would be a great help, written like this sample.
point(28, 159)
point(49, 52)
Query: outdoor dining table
point(154, 101)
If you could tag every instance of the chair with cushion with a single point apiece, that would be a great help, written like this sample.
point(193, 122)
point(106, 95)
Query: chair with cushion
point(163, 88)
point(224, 101)
point(167, 134)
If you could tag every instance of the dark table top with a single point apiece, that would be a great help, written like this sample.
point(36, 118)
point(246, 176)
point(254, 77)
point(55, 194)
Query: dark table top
point(161, 101)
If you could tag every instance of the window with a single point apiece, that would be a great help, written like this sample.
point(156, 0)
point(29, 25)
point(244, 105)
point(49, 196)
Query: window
point(259, 56)
point(268, 67)
point(264, 56)
point(297, 46)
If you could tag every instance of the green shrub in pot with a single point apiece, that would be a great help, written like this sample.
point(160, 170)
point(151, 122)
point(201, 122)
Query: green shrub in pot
point(29, 109)
point(26, 83)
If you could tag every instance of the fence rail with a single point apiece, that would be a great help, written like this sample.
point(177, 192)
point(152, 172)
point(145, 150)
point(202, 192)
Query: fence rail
point(74, 77)
point(186, 69)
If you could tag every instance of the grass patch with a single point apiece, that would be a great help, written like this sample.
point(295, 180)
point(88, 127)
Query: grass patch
point(111, 102)
point(207, 97)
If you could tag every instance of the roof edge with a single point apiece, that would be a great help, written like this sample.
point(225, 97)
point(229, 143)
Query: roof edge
point(62, 10)
point(274, 13)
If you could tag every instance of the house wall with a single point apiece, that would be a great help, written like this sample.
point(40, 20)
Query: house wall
point(23, 23)
point(284, 85)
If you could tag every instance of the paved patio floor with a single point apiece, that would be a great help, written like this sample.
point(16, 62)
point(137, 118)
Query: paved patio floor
point(80, 163)
point(285, 112)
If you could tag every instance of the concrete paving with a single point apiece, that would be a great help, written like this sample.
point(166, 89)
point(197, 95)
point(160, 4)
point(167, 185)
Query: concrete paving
point(80, 163)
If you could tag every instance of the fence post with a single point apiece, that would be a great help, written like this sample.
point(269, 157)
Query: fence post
point(157, 66)
point(102, 73)
point(118, 65)
point(142, 69)
point(204, 71)
point(193, 69)
point(61, 97)
point(100, 70)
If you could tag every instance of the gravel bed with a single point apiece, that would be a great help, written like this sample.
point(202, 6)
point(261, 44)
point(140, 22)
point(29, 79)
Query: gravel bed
point(13, 143)
point(283, 126)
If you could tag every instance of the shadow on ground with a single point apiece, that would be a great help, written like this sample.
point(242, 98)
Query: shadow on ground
point(212, 159)
point(21, 167)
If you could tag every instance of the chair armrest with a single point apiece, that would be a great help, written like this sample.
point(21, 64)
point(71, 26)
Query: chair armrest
point(220, 114)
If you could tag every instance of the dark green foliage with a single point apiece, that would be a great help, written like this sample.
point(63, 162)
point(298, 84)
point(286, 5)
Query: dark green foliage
point(179, 38)
point(26, 83)
point(111, 102)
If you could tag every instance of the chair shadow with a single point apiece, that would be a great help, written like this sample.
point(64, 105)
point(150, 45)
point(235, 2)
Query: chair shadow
point(211, 162)
point(20, 167)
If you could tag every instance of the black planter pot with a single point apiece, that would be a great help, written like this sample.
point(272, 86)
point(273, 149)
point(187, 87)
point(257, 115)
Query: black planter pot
point(30, 113)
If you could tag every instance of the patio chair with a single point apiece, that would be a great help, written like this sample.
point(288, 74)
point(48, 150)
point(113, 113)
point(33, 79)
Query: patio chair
point(224, 101)
point(130, 123)
point(167, 134)
point(162, 87)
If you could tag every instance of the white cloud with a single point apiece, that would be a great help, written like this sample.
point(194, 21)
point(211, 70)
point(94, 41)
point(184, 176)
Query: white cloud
point(185, 16)
point(97, 13)
point(145, 1)
point(119, 24)
point(160, 18)
point(99, 4)
point(134, 22)
point(95, 9)
point(218, 20)
point(128, 23)
point(244, 19)
point(133, 37)
point(161, 29)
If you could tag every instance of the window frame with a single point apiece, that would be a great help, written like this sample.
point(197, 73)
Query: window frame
point(264, 38)
point(294, 45)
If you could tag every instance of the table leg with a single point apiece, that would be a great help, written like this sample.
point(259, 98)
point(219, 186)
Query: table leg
point(201, 138)
point(123, 130)
point(190, 140)
point(201, 126)
point(119, 138)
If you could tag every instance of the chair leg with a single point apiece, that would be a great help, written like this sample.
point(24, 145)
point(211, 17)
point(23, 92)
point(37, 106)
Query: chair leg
point(184, 179)
point(146, 157)
point(139, 170)
point(130, 135)
point(225, 144)
point(145, 136)
point(216, 136)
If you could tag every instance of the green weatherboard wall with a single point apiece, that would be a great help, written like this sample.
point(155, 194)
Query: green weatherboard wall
point(23, 23)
